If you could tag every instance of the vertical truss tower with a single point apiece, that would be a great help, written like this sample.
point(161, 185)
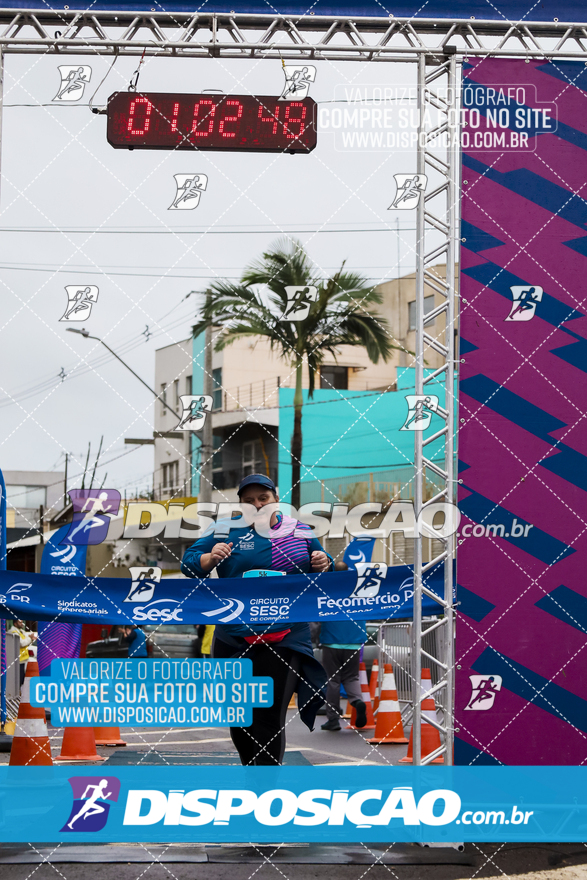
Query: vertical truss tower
point(436, 213)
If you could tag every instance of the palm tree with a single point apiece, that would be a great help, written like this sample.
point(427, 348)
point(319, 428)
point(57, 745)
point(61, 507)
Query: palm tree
point(342, 315)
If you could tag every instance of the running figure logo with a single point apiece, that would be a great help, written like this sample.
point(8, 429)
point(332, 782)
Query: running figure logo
point(92, 509)
point(369, 577)
point(80, 300)
point(73, 81)
point(194, 408)
point(144, 581)
point(409, 188)
point(484, 690)
point(297, 82)
point(299, 300)
point(420, 409)
point(525, 300)
point(90, 802)
point(189, 188)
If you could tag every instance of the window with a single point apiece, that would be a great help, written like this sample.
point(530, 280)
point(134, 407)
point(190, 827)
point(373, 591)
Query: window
point(217, 388)
point(188, 384)
point(334, 377)
point(170, 475)
point(428, 306)
point(217, 456)
point(176, 393)
point(22, 497)
point(253, 458)
point(163, 398)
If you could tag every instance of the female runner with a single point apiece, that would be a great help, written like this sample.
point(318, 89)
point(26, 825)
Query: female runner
point(282, 652)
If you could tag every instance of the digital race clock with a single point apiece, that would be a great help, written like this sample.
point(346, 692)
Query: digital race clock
point(168, 121)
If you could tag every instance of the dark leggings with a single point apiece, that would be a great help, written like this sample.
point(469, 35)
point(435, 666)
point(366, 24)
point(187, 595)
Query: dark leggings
point(264, 741)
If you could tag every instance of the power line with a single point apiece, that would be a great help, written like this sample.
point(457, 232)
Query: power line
point(108, 273)
point(69, 231)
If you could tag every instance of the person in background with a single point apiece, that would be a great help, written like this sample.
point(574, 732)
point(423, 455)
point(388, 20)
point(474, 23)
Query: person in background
point(280, 650)
point(342, 641)
point(27, 637)
point(207, 637)
point(137, 642)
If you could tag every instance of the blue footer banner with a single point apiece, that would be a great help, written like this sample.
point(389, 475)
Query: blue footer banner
point(375, 592)
point(314, 804)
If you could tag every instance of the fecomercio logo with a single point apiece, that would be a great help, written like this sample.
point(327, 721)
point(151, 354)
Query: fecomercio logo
point(91, 796)
point(15, 593)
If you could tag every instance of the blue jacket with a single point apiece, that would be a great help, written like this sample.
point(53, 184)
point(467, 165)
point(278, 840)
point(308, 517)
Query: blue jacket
point(137, 644)
point(343, 632)
point(250, 551)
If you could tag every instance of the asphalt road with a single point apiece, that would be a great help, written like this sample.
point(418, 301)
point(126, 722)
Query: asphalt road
point(316, 747)
point(519, 862)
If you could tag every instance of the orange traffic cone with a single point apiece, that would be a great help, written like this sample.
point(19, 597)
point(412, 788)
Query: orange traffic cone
point(349, 710)
point(373, 683)
point(430, 737)
point(370, 725)
point(389, 727)
point(79, 745)
point(30, 743)
point(108, 736)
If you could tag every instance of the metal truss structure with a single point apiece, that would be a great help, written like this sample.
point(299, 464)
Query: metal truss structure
point(228, 35)
point(436, 46)
point(436, 213)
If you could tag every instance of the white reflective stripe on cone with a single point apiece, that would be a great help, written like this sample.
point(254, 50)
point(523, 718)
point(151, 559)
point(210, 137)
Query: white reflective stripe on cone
point(429, 713)
point(30, 727)
point(25, 691)
point(388, 706)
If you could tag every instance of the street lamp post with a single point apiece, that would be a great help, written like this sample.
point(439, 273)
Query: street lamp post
point(87, 335)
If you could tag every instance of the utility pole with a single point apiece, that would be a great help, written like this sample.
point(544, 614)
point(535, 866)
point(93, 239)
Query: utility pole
point(207, 444)
point(65, 481)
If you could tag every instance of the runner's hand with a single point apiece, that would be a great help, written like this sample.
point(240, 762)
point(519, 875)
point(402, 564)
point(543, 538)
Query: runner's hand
point(220, 552)
point(319, 561)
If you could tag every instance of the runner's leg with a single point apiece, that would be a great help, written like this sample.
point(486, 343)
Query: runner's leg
point(349, 673)
point(330, 664)
point(264, 741)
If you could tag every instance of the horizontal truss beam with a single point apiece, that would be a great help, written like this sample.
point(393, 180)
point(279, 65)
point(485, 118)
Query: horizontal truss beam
point(224, 35)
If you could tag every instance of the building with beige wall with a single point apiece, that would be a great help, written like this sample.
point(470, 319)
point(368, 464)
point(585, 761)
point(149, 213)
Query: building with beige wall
point(247, 376)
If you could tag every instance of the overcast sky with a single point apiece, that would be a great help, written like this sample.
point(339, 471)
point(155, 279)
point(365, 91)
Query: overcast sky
point(60, 175)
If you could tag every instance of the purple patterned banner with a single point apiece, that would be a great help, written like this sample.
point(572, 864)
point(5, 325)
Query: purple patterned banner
point(58, 639)
point(521, 649)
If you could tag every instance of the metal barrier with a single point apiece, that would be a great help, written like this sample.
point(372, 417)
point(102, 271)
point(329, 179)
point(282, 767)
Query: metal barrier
point(12, 675)
point(12, 666)
point(395, 647)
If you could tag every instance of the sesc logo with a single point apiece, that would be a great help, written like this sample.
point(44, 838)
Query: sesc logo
point(232, 610)
point(66, 554)
point(369, 577)
point(91, 796)
point(159, 611)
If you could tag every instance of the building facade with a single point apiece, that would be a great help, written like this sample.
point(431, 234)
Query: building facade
point(172, 475)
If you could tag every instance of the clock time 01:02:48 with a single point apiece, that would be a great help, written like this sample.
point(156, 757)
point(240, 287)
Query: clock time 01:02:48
point(246, 123)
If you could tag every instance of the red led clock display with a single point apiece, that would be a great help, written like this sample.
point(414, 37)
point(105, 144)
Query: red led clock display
point(255, 123)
